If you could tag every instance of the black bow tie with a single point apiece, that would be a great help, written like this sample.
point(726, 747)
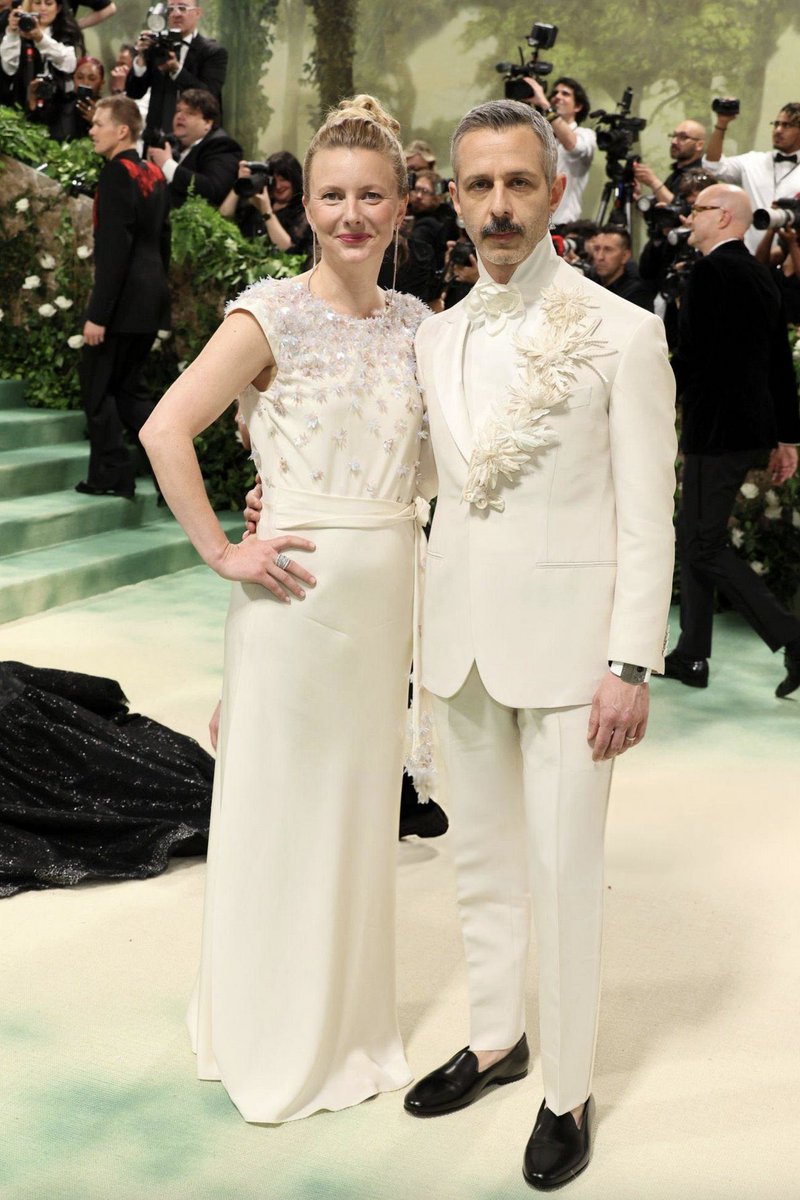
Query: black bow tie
point(792, 158)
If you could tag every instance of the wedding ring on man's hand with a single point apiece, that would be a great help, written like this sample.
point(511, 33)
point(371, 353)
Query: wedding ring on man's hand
point(282, 561)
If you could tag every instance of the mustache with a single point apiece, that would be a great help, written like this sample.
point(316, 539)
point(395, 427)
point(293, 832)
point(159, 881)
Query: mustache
point(501, 225)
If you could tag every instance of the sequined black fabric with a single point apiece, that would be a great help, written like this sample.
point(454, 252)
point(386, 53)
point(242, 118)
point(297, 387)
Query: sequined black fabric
point(89, 790)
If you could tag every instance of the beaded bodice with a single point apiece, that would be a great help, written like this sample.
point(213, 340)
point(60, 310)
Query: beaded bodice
point(344, 413)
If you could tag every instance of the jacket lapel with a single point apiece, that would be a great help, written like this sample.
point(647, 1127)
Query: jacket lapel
point(449, 375)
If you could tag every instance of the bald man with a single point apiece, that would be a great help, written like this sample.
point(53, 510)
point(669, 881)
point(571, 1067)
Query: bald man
point(686, 145)
point(740, 408)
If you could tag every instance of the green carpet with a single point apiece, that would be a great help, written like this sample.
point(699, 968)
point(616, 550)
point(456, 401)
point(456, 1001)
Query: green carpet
point(699, 1039)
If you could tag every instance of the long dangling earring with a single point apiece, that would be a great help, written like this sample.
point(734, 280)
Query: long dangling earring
point(396, 248)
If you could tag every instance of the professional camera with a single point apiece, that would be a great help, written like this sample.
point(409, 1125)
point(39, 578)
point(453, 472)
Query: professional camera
point(159, 140)
point(162, 41)
point(79, 186)
point(680, 268)
point(623, 129)
point(786, 215)
point(541, 37)
point(260, 177)
point(27, 21)
point(661, 217)
point(44, 87)
point(461, 254)
point(725, 108)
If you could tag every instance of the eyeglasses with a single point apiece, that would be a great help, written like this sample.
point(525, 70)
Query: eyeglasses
point(423, 191)
point(784, 125)
point(181, 9)
point(698, 208)
point(682, 137)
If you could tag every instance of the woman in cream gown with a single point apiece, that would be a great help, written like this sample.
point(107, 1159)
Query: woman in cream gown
point(294, 1007)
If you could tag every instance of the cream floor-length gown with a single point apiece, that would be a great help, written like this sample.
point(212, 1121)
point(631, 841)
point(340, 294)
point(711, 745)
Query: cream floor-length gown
point(294, 1007)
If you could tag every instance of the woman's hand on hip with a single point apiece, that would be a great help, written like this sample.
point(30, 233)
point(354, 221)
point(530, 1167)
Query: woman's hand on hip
point(254, 561)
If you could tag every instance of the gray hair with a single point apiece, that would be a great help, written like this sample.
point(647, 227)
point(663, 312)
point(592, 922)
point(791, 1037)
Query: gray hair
point(506, 114)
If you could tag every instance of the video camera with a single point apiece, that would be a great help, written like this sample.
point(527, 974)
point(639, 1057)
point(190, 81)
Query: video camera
point(623, 129)
point(260, 177)
point(541, 37)
point(786, 215)
point(162, 41)
point(660, 218)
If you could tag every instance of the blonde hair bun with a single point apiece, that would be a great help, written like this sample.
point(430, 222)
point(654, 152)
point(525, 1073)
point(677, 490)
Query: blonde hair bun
point(363, 108)
point(360, 122)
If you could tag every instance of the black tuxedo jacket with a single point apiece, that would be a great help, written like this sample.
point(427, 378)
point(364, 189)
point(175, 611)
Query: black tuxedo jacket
point(212, 165)
point(131, 247)
point(733, 364)
point(205, 67)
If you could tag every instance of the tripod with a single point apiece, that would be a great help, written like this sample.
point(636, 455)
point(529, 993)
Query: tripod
point(616, 201)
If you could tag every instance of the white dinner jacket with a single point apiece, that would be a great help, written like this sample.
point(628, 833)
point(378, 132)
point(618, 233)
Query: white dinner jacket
point(576, 571)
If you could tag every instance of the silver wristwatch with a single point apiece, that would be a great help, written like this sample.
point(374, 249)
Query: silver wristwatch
point(629, 673)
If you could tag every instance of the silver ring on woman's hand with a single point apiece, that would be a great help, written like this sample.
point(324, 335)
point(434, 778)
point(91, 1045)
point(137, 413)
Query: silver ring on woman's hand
point(629, 739)
point(282, 561)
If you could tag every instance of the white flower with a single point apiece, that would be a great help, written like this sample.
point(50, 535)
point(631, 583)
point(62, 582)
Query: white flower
point(47, 262)
point(773, 513)
point(63, 303)
point(796, 519)
point(46, 310)
point(84, 251)
point(771, 498)
point(182, 365)
point(749, 491)
point(22, 205)
point(737, 537)
point(2, 314)
point(758, 567)
point(75, 342)
point(31, 282)
point(163, 334)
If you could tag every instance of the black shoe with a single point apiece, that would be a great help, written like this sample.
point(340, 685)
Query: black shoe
point(459, 1082)
point(89, 489)
point(557, 1150)
point(691, 671)
point(425, 820)
point(791, 683)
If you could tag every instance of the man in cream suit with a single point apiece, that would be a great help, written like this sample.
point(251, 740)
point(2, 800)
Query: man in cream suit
point(551, 406)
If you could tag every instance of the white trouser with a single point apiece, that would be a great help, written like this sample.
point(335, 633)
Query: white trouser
point(528, 810)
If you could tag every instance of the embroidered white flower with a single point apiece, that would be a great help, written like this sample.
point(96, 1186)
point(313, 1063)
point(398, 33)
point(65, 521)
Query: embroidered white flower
point(75, 342)
point(749, 491)
point(63, 303)
point(46, 310)
point(549, 363)
point(84, 252)
point(30, 282)
point(494, 304)
point(47, 262)
point(22, 205)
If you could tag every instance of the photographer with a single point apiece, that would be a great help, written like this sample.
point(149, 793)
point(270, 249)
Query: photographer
point(566, 110)
point(687, 143)
point(39, 48)
point(197, 62)
point(434, 222)
point(783, 261)
point(269, 202)
point(207, 157)
point(764, 175)
point(611, 254)
point(419, 156)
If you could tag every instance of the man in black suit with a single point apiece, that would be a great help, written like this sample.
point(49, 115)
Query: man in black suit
point(739, 397)
point(129, 301)
point(208, 159)
point(199, 63)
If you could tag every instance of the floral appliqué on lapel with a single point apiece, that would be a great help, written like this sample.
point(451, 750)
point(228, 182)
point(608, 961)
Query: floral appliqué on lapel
point(548, 363)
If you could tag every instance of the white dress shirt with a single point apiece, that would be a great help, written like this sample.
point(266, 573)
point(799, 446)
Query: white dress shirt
point(575, 165)
point(171, 164)
point(762, 178)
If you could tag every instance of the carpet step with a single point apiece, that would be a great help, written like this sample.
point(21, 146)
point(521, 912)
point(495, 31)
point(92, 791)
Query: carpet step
point(42, 579)
point(42, 469)
point(33, 522)
point(26, 427)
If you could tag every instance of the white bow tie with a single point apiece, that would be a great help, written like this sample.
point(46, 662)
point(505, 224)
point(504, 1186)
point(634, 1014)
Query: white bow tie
point(494, 304)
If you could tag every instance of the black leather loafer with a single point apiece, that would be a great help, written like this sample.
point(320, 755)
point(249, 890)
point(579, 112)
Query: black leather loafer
point(459, 1082)
point(691, 671)
point(791, 683)
point(557, 1150)
point(89, 489)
